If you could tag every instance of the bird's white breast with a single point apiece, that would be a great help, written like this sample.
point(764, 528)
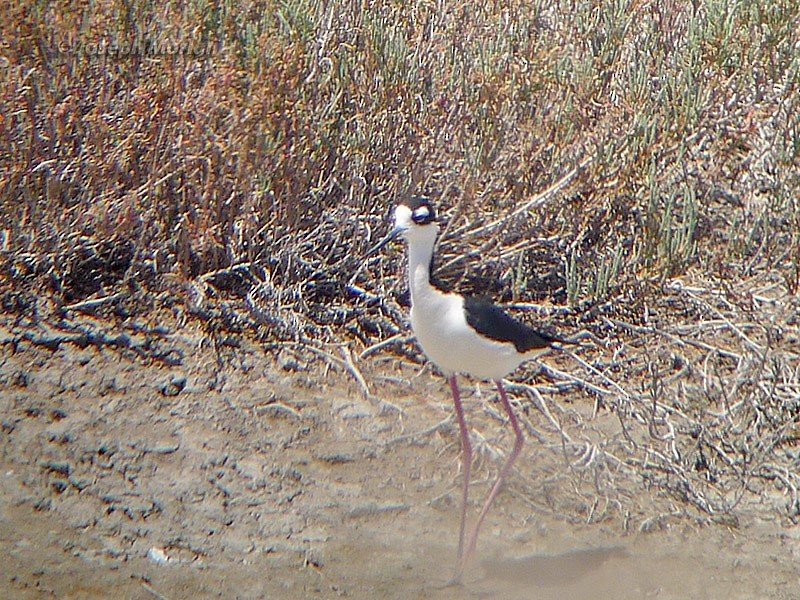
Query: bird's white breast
point(441, 328)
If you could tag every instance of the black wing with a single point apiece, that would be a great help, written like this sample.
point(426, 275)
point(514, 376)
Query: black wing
point(493, 322)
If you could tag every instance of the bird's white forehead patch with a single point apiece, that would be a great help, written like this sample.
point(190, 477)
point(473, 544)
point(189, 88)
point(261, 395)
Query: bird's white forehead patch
point(402, 216)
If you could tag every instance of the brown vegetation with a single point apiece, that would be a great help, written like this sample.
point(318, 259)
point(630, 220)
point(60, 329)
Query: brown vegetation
point(634, 164)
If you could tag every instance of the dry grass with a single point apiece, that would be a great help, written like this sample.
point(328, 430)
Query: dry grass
point(232, 161)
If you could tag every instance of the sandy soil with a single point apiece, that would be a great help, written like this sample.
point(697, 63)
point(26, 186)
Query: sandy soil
point(236, 474)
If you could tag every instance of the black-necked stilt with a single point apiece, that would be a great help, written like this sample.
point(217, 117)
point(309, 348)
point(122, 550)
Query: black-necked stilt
point(461, 334)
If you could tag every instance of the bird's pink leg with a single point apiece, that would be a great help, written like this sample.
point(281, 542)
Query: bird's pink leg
point(518, 442)
point(466, 466)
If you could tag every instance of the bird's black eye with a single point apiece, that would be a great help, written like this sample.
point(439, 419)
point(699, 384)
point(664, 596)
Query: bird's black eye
point(422, 215)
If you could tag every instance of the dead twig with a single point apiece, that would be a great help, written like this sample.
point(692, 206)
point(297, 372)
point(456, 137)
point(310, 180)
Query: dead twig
point(149, 589)
point(353, 370)
point(91, 304)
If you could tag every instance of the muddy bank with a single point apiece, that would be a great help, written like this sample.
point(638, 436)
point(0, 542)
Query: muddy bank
point(233, 474)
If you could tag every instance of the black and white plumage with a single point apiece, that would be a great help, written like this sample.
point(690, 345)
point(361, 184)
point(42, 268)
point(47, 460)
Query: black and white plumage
point(462, 334)
point(493, 322)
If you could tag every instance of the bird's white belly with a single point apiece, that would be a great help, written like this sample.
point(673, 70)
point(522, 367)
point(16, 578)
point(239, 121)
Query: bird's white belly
point(452, 345)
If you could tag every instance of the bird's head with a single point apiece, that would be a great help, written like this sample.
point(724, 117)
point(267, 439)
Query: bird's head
point(414, 219)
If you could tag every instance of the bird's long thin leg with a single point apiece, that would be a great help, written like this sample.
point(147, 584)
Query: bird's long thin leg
point(466, 467)
point(518, 442)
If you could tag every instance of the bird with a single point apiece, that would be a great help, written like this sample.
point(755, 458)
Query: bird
point(462, 335)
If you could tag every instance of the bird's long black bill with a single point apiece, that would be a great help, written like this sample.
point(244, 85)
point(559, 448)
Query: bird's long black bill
point(392, 235)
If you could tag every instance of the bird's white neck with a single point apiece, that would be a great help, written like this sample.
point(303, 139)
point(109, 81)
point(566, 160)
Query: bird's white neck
point(420, 251)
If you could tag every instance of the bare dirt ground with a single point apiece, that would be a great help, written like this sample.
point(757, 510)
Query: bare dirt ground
point(229, 472)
